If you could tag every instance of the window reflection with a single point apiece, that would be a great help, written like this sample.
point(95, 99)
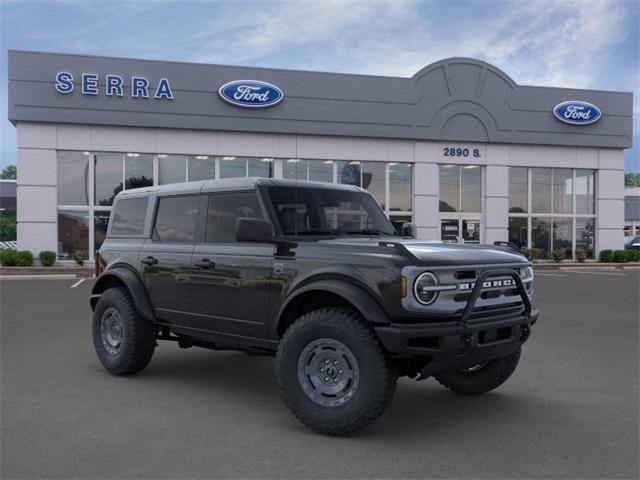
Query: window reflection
point(201, 167)
point(449, 188)
point(231, 167)
point(471, 180)
point(518, 231)
point(172, 169)
point(541, 190)
point(562, 235)
point(518, 190)
point(585, 235)
point(541, 235)
point(138, 170)
point(108, 177)
point(260, 167)
point(294, 168)
point(400, 188)
point(320, 170)
point(585, 191)
point(100, 224)
point(562, 190)
point(73, 233)
point(73, 178)
point(373, 179)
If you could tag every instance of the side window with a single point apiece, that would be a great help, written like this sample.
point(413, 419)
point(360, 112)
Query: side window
point(224, 210)
point(129, 215)
point(176, 219)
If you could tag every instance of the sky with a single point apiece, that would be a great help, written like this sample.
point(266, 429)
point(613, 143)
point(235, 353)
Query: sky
point(565, 43)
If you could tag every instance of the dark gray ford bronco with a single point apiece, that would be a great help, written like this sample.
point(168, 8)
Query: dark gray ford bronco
point(314, 274)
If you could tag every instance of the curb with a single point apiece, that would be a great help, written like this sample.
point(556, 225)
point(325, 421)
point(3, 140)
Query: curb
point(52, 276)
point(585, 266)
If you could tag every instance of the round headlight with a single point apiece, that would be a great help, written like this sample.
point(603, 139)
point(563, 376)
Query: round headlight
point(527, 279)
point(425, 288)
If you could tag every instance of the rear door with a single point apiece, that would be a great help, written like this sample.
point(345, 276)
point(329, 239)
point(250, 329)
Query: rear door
point(230, 288)
point(166, 257)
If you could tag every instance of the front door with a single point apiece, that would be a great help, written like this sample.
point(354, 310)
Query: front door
point(460, 230)
point(165, 259)
point(230, 286)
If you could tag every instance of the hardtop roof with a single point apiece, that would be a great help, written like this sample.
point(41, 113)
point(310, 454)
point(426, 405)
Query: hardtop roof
point(231, 184)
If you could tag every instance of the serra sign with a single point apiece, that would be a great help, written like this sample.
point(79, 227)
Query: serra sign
point(577, 112)
point(250, 93)
point(113, 85)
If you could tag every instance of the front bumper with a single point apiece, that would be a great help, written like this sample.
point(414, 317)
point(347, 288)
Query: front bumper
point(470, 339)
point(448, 345)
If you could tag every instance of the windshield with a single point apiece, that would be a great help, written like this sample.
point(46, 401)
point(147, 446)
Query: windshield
point(320, 211)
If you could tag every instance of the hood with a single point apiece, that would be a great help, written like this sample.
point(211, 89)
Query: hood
point(441, 254)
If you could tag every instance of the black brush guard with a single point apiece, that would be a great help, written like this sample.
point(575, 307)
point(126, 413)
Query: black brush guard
point(460, 344)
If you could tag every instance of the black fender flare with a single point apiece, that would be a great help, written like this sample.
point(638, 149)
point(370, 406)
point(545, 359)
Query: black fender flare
point(362, 300)
point(133, 282)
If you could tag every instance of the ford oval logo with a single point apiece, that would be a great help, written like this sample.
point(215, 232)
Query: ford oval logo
point(577, 112)
point(250, 93)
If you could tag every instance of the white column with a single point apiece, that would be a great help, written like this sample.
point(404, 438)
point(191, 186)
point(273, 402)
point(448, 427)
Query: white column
point(496, 205)
point(426, 191)
point(610, 200)
point(37, 188)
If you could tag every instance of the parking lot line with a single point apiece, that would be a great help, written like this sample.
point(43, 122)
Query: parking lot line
point(78, 283)
point(600, 273)
point(551, 274)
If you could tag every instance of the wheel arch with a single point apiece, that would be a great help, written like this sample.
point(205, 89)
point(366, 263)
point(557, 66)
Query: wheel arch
point(326, 293)
point(122, 276)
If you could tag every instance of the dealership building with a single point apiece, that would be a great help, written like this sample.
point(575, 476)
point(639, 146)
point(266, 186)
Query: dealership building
point(459, 149)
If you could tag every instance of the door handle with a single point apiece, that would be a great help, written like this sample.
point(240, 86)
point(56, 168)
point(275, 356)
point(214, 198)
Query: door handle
point(204, 263)
point(149, 261)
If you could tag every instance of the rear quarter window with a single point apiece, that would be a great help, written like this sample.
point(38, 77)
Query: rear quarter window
point(129, 216)
point(176, 219)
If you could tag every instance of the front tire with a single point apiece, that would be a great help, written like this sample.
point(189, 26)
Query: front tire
point(333, 373)
point(480, 378)
point(123, 341)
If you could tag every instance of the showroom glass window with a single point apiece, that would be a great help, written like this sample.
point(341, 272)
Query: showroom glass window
point(460, 188)
point(89, 181)
point(552, 209)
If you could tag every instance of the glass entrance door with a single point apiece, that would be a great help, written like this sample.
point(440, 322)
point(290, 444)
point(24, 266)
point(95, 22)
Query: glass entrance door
point(460, 230)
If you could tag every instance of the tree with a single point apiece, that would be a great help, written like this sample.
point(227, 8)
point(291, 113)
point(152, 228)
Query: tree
point(632, 180)
point(9, 173)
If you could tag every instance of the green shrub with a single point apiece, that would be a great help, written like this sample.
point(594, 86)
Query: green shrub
point(620, 256)
point(24, 258)
point(581, 254)
point(532, 253)
point(606, 256)
point(8, 258)
point(79, 256)
point(633, 255)
point(558, 255)
point(47, 258)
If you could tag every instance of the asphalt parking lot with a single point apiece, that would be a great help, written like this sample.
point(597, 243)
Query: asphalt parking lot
point(569, 411)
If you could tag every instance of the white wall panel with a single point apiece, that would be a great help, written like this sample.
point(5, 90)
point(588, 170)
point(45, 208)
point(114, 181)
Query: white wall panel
point(37, 237)
point(37, 167)
point(36, 203)
point(123, 139)
point(73, 137)
point(36, 135)
point(188, 142)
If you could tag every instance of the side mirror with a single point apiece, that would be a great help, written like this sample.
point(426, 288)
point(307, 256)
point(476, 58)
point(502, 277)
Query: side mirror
point(408, 230)
point(254, 230)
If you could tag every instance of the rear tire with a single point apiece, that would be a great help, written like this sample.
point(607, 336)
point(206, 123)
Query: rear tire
point(123, 341)
point(332, 372)
point(475, 381)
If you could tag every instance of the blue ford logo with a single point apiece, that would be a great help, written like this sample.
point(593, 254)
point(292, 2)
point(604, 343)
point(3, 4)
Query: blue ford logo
point(576, 112)
point(250, 93)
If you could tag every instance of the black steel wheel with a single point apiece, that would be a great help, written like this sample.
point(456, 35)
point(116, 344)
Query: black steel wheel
point(333, 374)
point(123, 341)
